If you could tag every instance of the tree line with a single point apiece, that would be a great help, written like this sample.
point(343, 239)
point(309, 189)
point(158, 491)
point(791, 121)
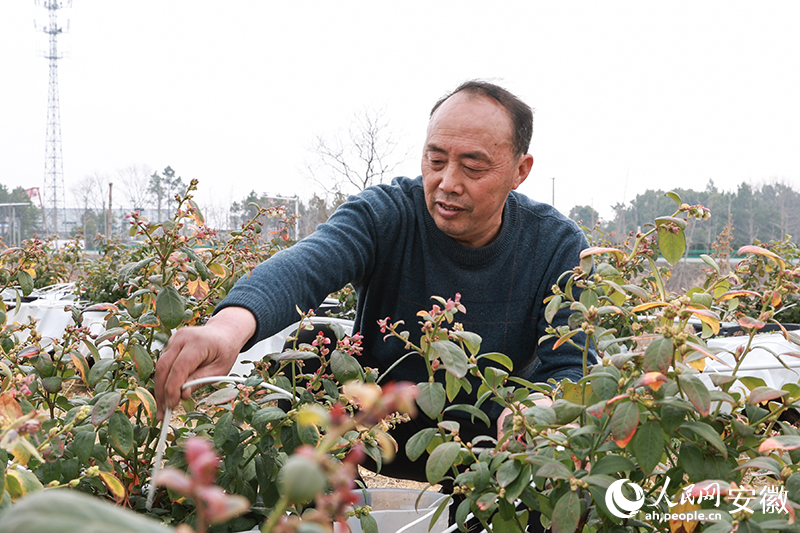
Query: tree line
point(753, 213)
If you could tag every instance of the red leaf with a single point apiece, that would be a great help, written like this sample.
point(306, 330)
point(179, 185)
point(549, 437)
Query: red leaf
point(751, 323)
point(765, 394)
point(782, 442)
point(624, 422)
point(653, 379)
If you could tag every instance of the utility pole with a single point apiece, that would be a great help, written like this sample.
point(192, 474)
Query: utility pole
point(110, 216)
point(296, 200)
point(553, 202)
point(54, 200)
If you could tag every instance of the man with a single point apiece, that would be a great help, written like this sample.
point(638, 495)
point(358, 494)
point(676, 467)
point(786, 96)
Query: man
point(458, 228)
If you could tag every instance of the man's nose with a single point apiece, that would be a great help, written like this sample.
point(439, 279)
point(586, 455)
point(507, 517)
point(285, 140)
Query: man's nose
point(451, 180)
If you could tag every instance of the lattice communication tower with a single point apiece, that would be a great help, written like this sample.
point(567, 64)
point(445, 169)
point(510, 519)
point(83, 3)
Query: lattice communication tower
point(53, 191)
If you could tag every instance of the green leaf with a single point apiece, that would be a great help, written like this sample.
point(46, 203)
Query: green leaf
point(658, 355)
point(566, 513)
point(21, 482)
point(648, 445)
point(431, 398)
point(498, 358)
point(706, 433)
point(52, 384)
point(308, 433)
point(453, 357)
point(508, 472)
point(566, 411)
point(675, 197)
point(222, 429)
point(679, 222)
point(71, 510)
point(702, 298)
point(107, 335)
point(368, 523)
point(266, 415)
point(540, 414)
point(105, 407)
point(553, 470)
point(589, 299)
point(99, 370)
point(624, 422)
point(142, 360)
point(416, 445)
point(605, 387)
point(82, 444)
point(553, 306)
point(169, 307)
point(692, 460)
point(612, 464)
point(522, 482)
point(697, 393)
point(120, 431)
point(439, 510)
point(441, 460)
point(762, 463)
point(748, 526)
point(471, 409)
point(345, 367)
point(793, 487)
point(452, 385)
point(710, 261)
point(752, 382)
point(471, 340)
point(672, 417)
point(671, 245)
point(25, 282)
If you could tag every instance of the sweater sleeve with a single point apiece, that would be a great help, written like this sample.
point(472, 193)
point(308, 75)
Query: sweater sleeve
point(340, 251)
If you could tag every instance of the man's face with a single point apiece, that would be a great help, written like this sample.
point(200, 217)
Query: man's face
point(469, 167)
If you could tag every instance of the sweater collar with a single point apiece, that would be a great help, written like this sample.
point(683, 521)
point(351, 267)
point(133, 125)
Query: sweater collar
point(466, 255)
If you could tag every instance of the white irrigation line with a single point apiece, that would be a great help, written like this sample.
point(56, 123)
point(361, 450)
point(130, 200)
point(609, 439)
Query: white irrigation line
point(162, 438)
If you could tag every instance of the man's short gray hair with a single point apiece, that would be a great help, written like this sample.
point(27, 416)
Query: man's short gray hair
point(520, 113)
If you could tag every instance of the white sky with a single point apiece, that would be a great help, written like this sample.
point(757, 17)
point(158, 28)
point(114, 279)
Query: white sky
point(628, 95)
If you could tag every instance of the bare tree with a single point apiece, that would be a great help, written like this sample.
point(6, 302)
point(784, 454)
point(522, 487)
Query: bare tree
point(135, 184)
point(91, 195)
point(353, 160)
point(216, 214)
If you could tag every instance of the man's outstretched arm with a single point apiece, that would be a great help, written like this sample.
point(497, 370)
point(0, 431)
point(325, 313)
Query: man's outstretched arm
point(202, 351)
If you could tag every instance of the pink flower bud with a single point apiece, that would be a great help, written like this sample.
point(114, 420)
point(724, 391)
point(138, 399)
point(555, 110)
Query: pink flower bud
point(203, 462)
point(174, 479)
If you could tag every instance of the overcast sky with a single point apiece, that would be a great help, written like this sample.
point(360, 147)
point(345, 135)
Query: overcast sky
point(628, 96)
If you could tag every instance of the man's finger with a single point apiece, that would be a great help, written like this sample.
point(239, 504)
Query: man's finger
point(184, 365)
point(163, 368)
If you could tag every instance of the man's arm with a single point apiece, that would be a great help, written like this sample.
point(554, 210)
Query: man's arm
point(202, 351)
point(339, 252)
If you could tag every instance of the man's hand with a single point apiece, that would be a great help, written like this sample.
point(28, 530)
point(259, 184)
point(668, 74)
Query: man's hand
point(202, 351)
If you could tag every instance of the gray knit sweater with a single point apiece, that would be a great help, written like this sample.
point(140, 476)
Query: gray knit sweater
point(385, 242)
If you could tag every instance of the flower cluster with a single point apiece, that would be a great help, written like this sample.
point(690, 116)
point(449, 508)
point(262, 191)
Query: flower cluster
point(213, 504)
point(351, 345)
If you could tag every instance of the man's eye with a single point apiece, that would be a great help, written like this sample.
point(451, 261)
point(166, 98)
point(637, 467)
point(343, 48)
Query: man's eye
point(473, 170)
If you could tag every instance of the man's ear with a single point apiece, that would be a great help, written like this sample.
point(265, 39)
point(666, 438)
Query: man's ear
point(524, 166)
